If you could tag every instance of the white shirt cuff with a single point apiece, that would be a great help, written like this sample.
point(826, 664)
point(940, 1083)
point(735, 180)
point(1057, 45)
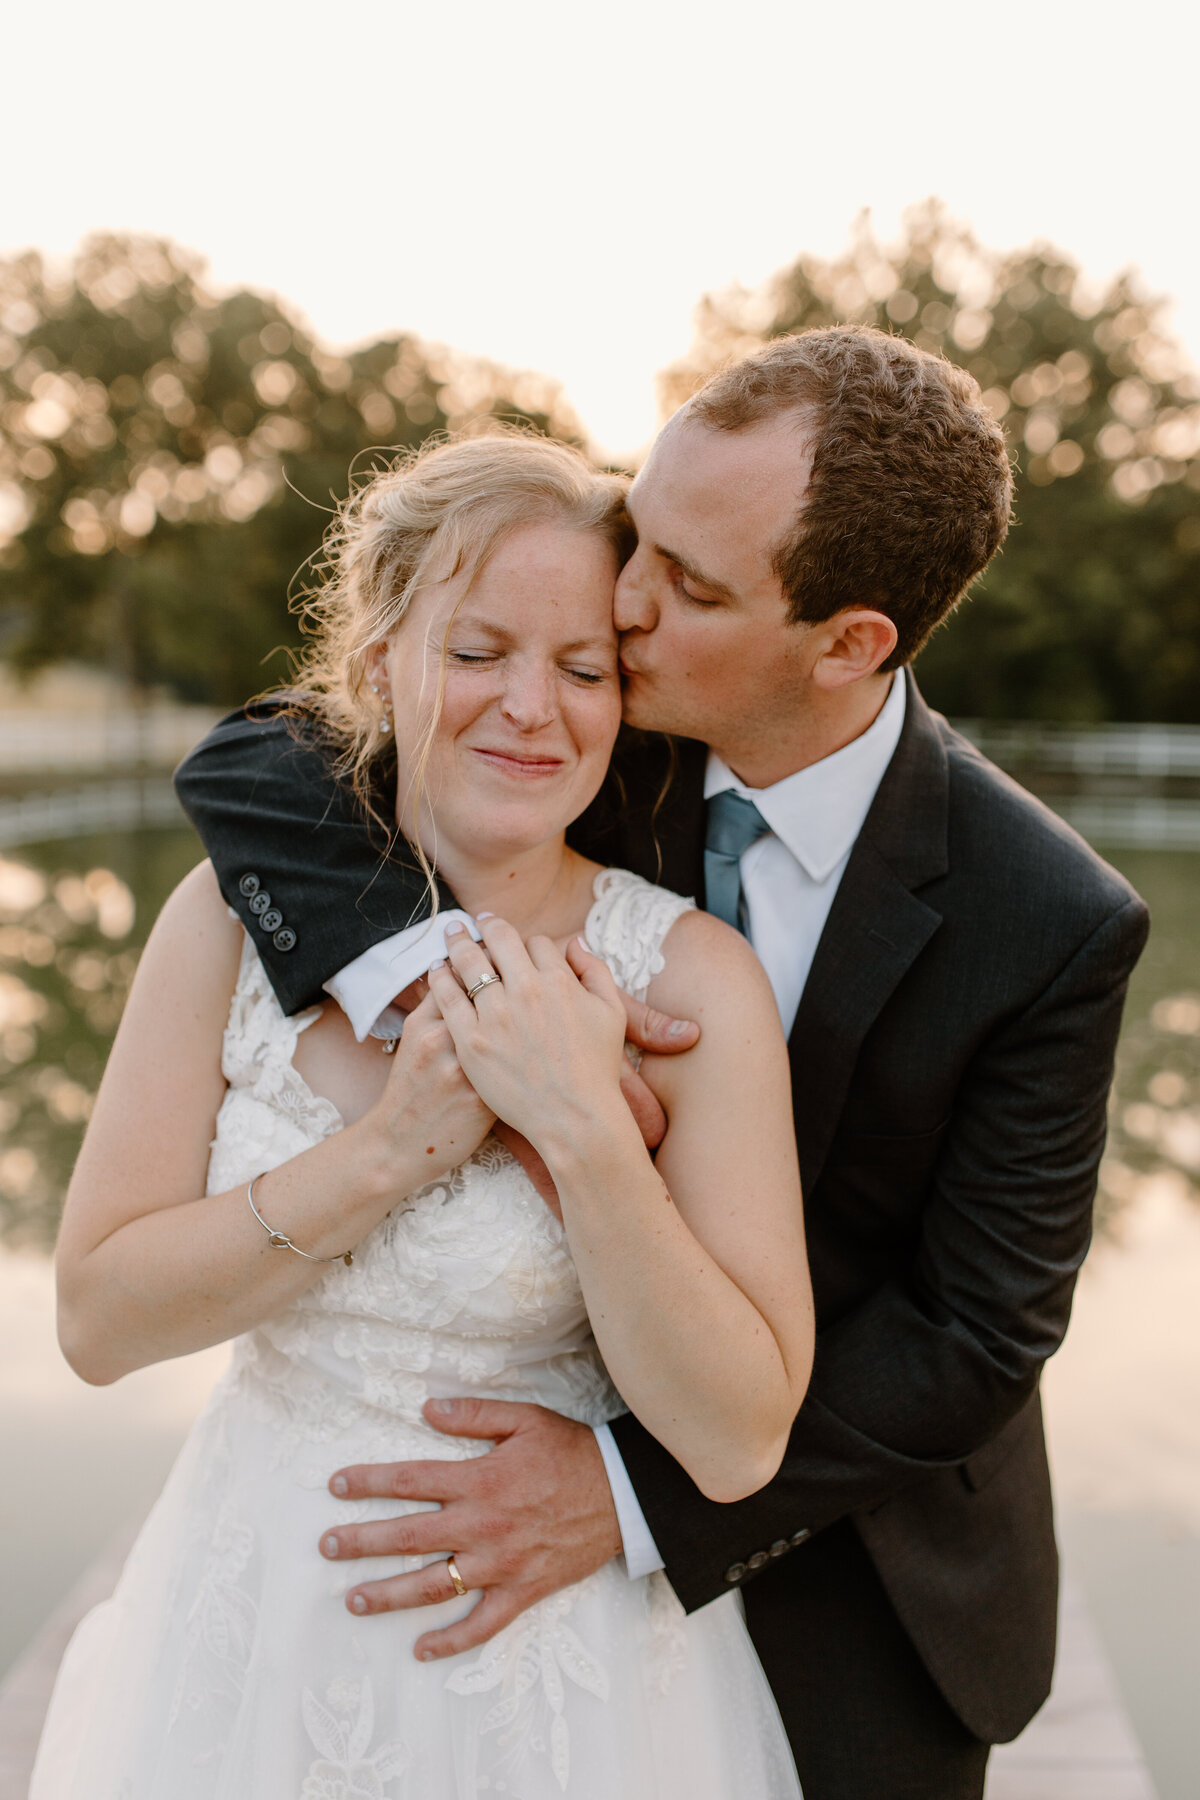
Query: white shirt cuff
point(641, 1552)
point(366, 987)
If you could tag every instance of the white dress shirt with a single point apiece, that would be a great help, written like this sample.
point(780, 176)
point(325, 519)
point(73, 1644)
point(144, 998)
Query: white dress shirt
point(789, 878)
point(366, 987)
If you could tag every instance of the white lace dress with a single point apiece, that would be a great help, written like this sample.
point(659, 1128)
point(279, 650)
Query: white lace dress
point(226, 1666)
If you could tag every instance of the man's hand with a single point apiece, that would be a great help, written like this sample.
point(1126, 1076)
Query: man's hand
point(532, 1516)
point(646, 1029)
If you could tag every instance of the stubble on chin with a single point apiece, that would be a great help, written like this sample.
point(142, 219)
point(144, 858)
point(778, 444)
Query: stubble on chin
point(638, 708)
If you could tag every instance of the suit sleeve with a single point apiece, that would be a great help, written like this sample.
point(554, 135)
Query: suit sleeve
point(928, 1369)
point(294, 855)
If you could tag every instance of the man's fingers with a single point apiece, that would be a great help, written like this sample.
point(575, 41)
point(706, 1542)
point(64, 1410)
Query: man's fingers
point(648, 1115)
point(593, 972)
point(474, 1418)
point(657, 1031)
point(497, 1609)
point(429, 1586)
point(413, 1534)
point(441, 1481)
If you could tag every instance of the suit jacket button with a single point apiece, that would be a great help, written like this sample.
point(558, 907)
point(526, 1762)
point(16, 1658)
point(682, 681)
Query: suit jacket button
point(272, 919)
point(780, 1547)
point(759, 1560)
point(249, 884)
point(798, 1537)
point(259, 900)
point(285, 939)
point(735, 1572)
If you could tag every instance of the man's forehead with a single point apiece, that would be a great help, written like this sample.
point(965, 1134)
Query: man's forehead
point(687, 452)
point(751, 481)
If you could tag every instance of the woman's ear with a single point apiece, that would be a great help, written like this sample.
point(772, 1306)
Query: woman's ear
point(375, 666)
point(859, 640)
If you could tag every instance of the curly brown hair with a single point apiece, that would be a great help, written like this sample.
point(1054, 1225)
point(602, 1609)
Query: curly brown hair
point(911, 486)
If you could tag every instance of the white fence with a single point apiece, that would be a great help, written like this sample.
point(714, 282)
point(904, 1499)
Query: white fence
point(1131, 822)
point(34, 742)
point(1151, 752)
point(126, 805)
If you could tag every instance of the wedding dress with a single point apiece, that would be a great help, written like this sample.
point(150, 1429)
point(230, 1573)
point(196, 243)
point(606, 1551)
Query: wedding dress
point(226, 1666)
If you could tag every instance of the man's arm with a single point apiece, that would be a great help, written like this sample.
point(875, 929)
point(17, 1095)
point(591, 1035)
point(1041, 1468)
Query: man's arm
point(292, 851)
point(928, 1369)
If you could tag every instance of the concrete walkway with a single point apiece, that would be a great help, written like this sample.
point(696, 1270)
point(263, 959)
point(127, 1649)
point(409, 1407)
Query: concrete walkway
point(1080, 1746)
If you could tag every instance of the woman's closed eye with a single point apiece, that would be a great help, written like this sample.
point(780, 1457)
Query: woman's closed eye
point(482, 659)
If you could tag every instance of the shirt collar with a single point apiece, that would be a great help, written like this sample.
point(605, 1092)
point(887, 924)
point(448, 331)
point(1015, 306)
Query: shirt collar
point(819, 811)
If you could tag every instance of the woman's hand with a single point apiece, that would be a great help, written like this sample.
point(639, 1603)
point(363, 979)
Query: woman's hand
point(543, 1046)
point(428, 1098)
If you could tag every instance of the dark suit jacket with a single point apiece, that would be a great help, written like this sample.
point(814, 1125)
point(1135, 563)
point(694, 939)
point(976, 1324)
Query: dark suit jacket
point(951, 1061)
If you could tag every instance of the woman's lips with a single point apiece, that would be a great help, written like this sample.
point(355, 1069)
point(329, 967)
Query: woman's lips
point(522, 767)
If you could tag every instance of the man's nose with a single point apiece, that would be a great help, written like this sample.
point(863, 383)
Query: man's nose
point(529, 698)
point(634, 607)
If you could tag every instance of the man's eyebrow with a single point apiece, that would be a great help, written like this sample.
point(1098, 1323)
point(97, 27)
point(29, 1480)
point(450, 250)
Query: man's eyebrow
point(694, 574)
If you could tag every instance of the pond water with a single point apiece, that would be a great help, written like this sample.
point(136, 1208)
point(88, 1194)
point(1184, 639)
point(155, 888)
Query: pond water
point(1122, 1398)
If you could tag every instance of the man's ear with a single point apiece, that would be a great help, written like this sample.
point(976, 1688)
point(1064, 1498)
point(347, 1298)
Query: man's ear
point(857, 641)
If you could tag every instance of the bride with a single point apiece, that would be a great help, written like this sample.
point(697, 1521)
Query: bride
point(352, 1223)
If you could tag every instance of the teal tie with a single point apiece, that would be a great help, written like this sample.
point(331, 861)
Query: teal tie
point(734, 823)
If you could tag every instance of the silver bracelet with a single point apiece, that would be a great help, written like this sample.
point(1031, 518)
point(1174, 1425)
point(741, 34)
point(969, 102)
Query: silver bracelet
point(278, 1241)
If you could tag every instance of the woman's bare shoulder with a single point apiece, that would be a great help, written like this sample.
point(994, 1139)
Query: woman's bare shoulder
point(710, 967)
point(195, 939)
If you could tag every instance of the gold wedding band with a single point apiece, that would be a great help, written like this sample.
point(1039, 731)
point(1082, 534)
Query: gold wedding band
point(460, 1586)
point(484, 981)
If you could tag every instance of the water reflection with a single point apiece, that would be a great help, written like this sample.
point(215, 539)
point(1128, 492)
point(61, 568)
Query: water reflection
point(70, 934)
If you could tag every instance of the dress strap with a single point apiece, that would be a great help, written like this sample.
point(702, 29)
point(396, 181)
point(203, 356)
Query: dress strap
point(258, 1029)
point(627, 925)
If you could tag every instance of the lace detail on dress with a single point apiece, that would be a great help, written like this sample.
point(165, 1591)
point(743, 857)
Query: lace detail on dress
point(627, 925)
point(341, 1728)
point(529, 1663)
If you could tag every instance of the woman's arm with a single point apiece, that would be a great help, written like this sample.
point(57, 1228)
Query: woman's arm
point(148, 1266)
point(694, 1273)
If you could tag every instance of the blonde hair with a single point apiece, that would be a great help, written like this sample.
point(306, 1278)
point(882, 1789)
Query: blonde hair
point(437, 514)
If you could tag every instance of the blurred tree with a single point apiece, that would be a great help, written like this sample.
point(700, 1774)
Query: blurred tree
point(1092, 611)
point(168, 458)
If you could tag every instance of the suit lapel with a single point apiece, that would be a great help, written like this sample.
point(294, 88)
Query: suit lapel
point(877, 926)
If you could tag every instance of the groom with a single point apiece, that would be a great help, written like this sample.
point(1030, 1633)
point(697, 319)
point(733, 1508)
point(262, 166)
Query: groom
point(950, 964)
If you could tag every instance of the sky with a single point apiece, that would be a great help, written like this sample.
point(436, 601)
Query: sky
point(555, 185)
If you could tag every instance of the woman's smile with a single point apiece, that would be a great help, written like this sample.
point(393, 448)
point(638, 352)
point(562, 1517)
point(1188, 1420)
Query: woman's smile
point(518, 765)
